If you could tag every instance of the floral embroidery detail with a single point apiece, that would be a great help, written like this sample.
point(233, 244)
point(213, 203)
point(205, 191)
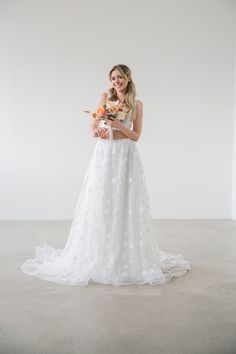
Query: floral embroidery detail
point(111, 226)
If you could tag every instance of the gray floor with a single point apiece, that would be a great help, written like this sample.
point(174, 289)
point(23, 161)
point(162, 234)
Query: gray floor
point(194, 314)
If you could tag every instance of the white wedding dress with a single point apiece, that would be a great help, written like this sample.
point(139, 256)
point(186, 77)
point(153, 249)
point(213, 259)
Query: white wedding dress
point(111, 238)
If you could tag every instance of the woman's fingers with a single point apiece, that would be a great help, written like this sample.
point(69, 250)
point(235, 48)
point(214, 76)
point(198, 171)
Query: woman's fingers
point(98, 132)
point(101, 131)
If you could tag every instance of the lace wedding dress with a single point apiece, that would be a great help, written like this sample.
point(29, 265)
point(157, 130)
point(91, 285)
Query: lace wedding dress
point(111, 238)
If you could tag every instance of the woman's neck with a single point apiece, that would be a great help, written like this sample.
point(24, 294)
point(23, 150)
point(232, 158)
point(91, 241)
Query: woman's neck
point(121, 97)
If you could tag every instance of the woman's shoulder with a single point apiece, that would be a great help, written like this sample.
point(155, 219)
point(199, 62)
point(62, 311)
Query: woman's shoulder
point(104, 95)
point(139, 103)
point(102, 98)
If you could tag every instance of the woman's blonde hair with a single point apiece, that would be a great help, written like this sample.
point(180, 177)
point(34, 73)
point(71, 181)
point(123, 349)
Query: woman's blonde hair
point(130, 89)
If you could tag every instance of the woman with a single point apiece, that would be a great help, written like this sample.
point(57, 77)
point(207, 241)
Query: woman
point(111, 237)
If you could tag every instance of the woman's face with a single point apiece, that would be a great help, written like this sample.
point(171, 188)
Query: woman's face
point(118, 81)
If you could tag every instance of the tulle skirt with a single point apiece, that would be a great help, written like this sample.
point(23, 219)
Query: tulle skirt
point(111, 240)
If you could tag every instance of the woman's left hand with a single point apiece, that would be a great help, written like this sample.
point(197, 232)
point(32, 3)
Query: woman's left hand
point(113, 123)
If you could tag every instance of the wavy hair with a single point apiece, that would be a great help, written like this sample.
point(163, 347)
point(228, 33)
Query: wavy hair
point(130, 94)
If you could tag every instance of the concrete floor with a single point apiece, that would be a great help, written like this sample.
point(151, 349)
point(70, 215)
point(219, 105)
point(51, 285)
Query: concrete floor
point(194, 314)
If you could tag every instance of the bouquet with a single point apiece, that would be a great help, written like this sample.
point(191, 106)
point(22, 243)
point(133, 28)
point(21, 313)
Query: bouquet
point(111, 109)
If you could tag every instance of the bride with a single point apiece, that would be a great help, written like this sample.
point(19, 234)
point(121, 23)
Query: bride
point(111, 240)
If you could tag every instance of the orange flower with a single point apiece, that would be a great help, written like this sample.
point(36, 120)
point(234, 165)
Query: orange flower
point(99, 112)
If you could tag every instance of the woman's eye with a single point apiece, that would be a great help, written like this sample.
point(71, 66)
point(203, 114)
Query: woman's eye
point(120, 77)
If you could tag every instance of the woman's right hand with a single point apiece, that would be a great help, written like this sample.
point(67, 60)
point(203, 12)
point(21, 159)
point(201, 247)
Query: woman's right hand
point(100, 132)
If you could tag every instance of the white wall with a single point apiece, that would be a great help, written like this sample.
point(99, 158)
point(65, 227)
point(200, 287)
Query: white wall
point(54, 62)
point(234, 149)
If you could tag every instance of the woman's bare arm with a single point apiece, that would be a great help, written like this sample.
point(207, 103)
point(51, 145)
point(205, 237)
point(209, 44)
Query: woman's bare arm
point(95, 122)
point(137, 125)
